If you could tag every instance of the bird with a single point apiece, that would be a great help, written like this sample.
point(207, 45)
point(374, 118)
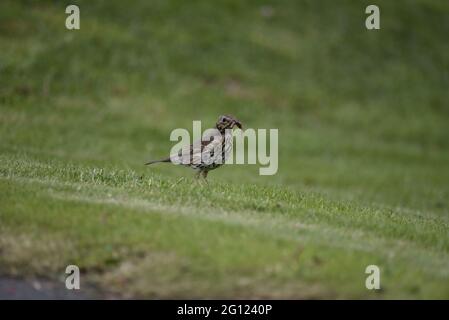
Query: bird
point(211, 152)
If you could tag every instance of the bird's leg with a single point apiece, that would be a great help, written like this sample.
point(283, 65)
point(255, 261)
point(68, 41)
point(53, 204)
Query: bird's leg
point(204, 173)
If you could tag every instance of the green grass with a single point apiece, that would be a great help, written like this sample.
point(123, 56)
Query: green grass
point(362, 118)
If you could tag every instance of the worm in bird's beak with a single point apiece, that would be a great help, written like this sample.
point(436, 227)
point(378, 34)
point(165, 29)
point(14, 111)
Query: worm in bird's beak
point(238, 124)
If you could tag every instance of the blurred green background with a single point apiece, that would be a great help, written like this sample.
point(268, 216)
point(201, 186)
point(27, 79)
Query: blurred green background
point(362, 118)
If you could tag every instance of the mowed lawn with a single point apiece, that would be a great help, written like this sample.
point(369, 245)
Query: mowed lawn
point(363, 147)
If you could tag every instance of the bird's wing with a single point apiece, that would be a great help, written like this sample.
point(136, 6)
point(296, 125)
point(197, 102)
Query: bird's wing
point(200, 150)
point(209, 150)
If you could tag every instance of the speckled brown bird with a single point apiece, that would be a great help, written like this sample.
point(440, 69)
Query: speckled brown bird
point(209, 153)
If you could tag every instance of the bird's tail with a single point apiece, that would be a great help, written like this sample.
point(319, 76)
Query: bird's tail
point(156, 161)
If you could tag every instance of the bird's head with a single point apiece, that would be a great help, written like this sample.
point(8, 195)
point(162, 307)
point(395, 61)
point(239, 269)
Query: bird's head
point(227, 122)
